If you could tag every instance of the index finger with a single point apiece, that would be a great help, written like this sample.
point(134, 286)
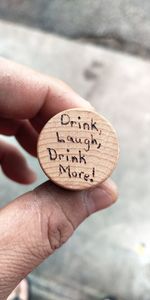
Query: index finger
point(26, 94)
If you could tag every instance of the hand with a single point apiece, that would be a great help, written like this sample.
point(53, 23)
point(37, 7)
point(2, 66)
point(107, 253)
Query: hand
point(40, 221)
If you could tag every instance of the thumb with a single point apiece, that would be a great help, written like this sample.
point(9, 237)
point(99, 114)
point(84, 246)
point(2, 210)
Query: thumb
point(37, 223)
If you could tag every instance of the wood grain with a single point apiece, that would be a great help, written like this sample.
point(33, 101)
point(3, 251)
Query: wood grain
point(78, 149)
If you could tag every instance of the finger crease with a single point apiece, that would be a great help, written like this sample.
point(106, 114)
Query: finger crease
point(66, 216)
point(85, 204)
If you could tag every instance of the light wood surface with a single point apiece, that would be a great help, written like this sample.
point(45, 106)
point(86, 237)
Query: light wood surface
point(78, 149)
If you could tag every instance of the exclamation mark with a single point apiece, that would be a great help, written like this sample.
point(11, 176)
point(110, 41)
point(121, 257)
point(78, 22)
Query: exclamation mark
point(93, 175)
point(93, 172)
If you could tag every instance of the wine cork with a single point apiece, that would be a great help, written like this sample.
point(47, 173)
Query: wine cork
point(78, 149)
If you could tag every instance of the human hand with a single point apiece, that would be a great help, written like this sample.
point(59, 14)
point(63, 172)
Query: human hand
point(40, 221)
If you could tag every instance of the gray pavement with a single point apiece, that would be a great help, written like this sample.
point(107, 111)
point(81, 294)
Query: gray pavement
point(110, 252)
point(123, 24)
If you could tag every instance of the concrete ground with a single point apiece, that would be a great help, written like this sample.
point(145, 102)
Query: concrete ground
point(110, 252)
point(121, 24)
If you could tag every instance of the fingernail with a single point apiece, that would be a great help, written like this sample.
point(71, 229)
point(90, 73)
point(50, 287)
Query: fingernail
point(110, 187)
point(100, 198)
point(81, 102)
point(87, 104)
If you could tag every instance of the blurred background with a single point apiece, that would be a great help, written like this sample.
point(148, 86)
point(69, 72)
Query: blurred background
point(102, 49)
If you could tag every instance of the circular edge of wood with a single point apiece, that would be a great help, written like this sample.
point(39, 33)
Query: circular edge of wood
point(93, 185)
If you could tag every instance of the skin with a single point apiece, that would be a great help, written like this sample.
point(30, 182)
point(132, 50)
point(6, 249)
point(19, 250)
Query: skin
point(37, 223)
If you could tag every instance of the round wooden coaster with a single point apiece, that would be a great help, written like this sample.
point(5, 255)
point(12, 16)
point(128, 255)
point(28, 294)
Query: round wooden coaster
point(78, 149)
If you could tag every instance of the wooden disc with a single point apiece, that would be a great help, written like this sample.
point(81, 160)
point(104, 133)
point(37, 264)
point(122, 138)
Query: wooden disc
point(78, 149)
